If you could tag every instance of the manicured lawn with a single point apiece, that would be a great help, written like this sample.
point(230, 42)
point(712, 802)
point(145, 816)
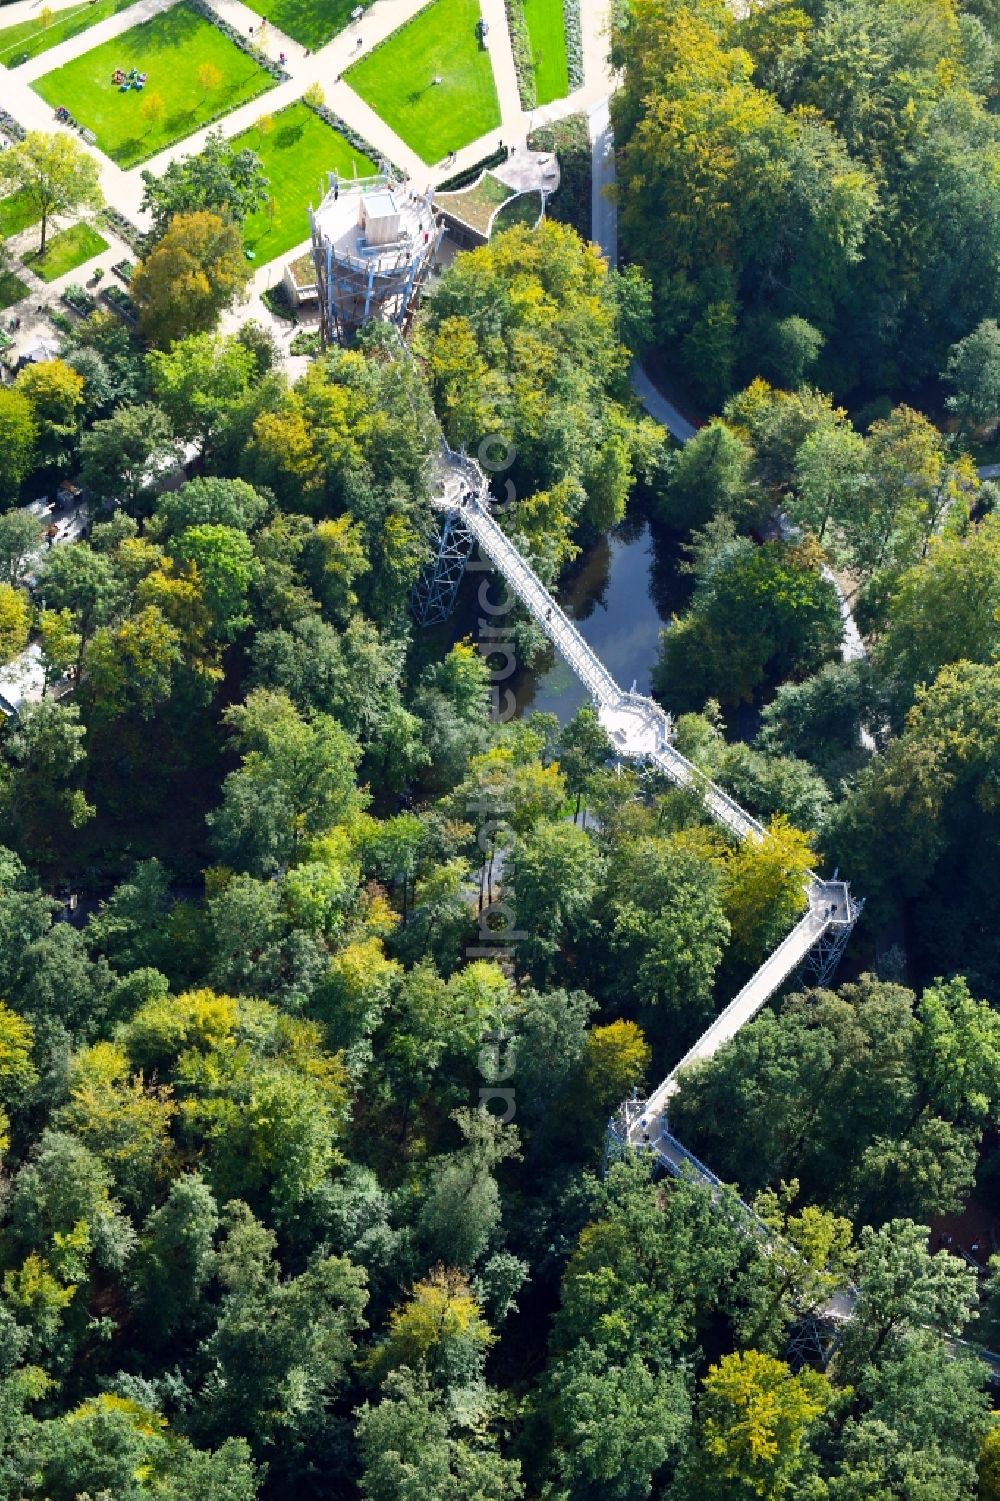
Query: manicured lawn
point(311, 22)
point(476, 205)
point(397, 80)
point(29, 38)
point(67, 250)
point(170, 48)
point(297, 152)
point(17, 212)
point(523, 210)
point(547, 31)
point(12, 289)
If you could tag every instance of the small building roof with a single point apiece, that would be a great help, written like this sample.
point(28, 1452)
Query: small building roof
point(43, 347)
point(22, 680)
point(380, 204)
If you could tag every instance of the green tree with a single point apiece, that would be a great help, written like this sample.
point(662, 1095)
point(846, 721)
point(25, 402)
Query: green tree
point(227, 567)
point(902, 1287)
point(791, 347)
point(710, 475)
point(55, 391)
point(615, 1424)
point(39, 793)
point(198, 381)
point(175, 1256)
point(663, 925)
point(758, 612)
point(958, 1052)
point(275, 1392)
point(208, 501)
point(130, 667)
point(973, 370)
point(946, 608)
point(921, 821)
point(122, 455)
point(55, 174)
point(18, 441)
point(87, 584)
point(296, 779)
point(554, 878)
point(414, 1444)
point(15, 621)
point(583, 749)
point(195, 271)
point(218, 178)
point(813, 1085)
point(461, 1209)
point(20, 543)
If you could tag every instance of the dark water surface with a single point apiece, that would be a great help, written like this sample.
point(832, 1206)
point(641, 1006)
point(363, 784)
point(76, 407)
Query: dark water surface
point(621, 592)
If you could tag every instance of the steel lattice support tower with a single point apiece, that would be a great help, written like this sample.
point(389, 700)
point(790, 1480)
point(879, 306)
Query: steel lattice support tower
point(434, 593)
point(827, 950)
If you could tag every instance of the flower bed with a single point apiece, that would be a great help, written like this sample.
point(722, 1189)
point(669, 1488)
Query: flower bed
point(11, 127)
point(79, 299)
point(121, 303)
point(306, 341)
point(574, 43)
point(520, 43)
point(124, 270)
point(122, 226)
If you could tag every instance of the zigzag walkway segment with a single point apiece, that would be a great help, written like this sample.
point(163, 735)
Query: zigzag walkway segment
point(641, 731)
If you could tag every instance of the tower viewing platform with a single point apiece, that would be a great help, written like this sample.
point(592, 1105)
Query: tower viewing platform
point(374, 241)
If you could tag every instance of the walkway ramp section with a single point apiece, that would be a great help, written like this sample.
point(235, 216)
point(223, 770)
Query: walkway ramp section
point(782, 962)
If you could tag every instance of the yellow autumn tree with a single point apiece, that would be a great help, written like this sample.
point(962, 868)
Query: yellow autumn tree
point(440, 1325)
point(753, 1417)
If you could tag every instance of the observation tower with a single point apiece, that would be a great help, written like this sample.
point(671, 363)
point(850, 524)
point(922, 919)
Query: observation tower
point(374, 241)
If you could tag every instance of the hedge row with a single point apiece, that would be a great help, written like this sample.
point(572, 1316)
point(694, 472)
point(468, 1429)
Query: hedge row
point(240, 40)
point(468, 176)
point(521, 47)
point(11, 127)
point(574, 43)
point(351, 136)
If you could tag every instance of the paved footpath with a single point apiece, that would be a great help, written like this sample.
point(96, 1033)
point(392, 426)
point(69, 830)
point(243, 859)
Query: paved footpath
point(123, 188)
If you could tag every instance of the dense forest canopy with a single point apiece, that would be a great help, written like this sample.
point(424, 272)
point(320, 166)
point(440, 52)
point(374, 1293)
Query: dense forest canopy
point(307, 1186)
point(811, 187)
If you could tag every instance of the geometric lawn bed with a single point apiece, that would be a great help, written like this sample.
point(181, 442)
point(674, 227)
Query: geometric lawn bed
point(12, 289)
point(311, 22)
point(476, 205)
point(28, 38)
point(297, 151)
point(65, 251)
point(172, 49)
point(547, 35)
point(397, 80)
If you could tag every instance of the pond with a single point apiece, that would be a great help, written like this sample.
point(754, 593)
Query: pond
point(620, 592)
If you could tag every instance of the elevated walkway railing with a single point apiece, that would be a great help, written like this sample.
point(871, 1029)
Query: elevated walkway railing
point(777, 967)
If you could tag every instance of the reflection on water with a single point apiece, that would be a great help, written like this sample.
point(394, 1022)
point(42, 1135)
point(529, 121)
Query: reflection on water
point(620, 594)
